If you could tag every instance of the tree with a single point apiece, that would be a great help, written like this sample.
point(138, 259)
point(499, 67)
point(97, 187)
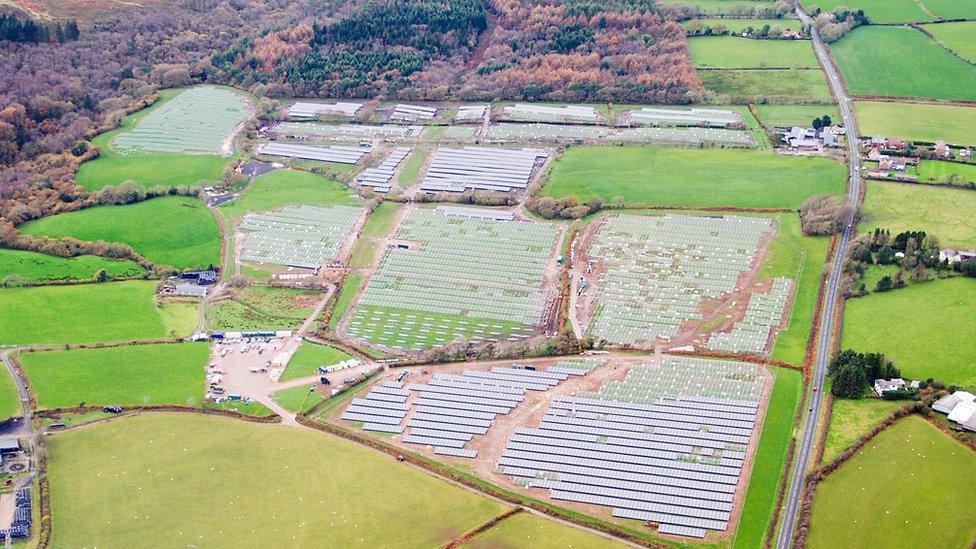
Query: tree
point(884, 284)
point(817, 123)
point(826, 121)
point(848, 381)
point(100, 276)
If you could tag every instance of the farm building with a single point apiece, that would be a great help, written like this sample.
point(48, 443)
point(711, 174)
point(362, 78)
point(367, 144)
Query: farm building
point(955, 256)
point(883, 385)
point(810, 139)
point(960, 407)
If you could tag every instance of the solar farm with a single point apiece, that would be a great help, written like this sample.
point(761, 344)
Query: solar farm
point(763, 316)
point(380, 177)
point(347, 131)
point(412, 113)
point(197, 120)
point(471, 113)
point(303, 110)
point(338, 154)
point(457, 272)
point(664, 135)
point(482, 168)
point(666, 445)
point(569, 114)
point(652, 116)
point(648, 276)
point(301, 236)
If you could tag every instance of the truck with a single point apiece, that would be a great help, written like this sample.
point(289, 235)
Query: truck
point(234, 397)
point(325, 381)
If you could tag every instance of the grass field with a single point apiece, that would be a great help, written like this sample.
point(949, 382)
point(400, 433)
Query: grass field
point(527, 530)
point(930, 123)
point(738, 25)
point(795, 115)
point(410, 172)
point(878, 11)
point(850, 419)
point(346, 294)
point(287, 187)
point(732, 52)
point(944, 212)
point(251, 407)
point(769, 463)
point(378, 224)
point(217, 482)
point(688, 177)
point(766, 86)
point(9, 399)
point(132, 375)
point(35, 267)
point(800, 258)
point(952, 9)
point(901, 62)
point(173, 230)
point(957, 36)
point(84, 313)
point(919, 328)
point(935, 171)
point(902, 490)
point(720, 7)
point(298, 399)
point(262, 308)
point(307, 359)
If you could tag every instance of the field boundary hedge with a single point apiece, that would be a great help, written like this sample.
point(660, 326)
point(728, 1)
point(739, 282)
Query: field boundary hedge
point(142, 408)
point(482, 528)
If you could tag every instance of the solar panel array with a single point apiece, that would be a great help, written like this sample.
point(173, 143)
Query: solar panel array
point(557, 133)
point(545, 132)
point(471, 277)
point(380, 177)
point(336, 153)
point(483, 168)
point(413, 112)
point(684, 117)
point(672, 454)
point(311, 110)
point(656, 270)
point(546, 113)
point(196, 120)
point(348, 131)
point(21, 522)
point(471, 113)
point(763, 315)
point(477, 213)
point(460, 132)
point(298, 236)
point(382, 410)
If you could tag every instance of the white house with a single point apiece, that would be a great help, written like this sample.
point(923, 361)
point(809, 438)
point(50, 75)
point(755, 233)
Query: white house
point(955, 256)
point(882, 385)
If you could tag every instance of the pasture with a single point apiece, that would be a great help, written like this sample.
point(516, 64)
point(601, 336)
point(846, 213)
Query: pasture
point(772, 86)
point(218, 482)
point(850, 419)
point(86, 313)
point(902, 490)
point(934, 171)
point(9, 399)
point(942, 211)
point(732, 52)
point(739, 25)
point(299, 399)
point(172, 230)
point(307, 359)
point(39, 268)
point(917, 122)
point(261, 308)
point(281, 188)
point(131, 375)
point(528, 530)
point(918, 327)
point(957, 36)
point(769, 462)
point(901, 62)
point(952, 9)
point(795, 115)
point(722, 7)
point(688, 177)
point(878, 11)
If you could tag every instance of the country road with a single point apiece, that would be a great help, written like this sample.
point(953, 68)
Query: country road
point(815, 402)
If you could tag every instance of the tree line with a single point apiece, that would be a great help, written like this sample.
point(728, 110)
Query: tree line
point(27, 30)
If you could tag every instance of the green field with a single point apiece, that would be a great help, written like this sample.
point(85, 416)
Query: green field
point(766, 86)
point(944, 212)
point(307, 359)
point(721, 7)
point(262, 308)
point(36, 267)
point(957, 36)
point(929, 123)
point(909, 487)
point(935, 171)
point(298, 399)
point(87, 313)
point(9, 399)
point(527, 530)
point(851, 419)
point(901, 62)
point(795, 115)
point(688, 177)
point(348, 291)
point(173, 230)
point(919, 328)
point(132, 375)
point(410, 172)
point(738, 25)
point(769, 464)
point(288, 187)
point(217, 482)
point(878, 11)
point(952, 9)
point(732, 52)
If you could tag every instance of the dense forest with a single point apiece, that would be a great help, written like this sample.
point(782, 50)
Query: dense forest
point(16, 29)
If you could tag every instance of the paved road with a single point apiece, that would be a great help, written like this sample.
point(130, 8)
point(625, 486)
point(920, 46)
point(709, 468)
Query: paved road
point(809, 433)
